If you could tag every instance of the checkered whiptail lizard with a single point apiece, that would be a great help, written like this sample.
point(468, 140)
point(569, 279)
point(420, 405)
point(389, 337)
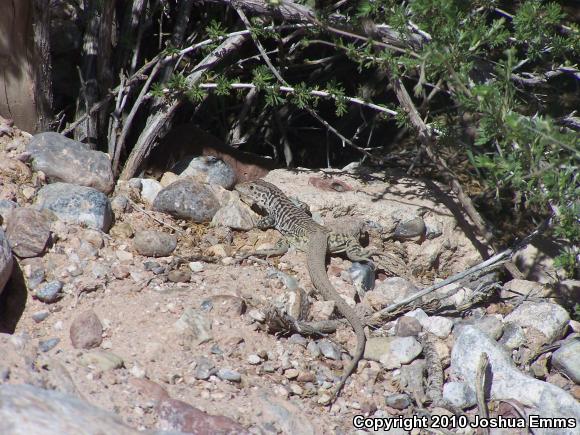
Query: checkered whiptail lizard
point(305, 234)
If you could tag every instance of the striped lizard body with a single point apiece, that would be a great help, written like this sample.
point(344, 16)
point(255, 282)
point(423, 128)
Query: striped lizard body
point(304, 233)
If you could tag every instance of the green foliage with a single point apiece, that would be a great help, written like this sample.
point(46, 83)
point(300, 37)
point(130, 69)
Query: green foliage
point(465, 62)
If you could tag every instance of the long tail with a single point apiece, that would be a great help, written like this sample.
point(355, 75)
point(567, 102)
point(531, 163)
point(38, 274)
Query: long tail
point(316, 263)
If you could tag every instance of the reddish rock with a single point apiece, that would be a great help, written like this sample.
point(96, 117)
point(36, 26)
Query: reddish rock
point(180, 416)
point(28, 232)
point(86, 331)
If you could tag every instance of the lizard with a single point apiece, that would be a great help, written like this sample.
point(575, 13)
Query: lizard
point(300, 230)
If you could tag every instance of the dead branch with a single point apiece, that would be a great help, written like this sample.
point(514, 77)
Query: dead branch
point(162, 119)
point(493, 262)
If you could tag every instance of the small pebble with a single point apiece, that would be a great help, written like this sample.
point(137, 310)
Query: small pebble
point(178, 276)
point(50, 292)
point(229, 375)
point(291, 373)
point(46, 345)
point(254, 360)
point(39, 316)
point(329, 350)
point(196, 266)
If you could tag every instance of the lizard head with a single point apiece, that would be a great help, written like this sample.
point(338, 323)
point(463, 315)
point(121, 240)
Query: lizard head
point(257, 192)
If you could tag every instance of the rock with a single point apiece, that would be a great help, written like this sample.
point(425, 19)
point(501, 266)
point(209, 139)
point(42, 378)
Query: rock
point(86, 331)
point(119, 204)
point(33, 271)
point(550, 319)
point(389, 291)
point(410, 229)
point(124, 257)
point(187, 199)
point(102, 360)
point(459, 395)
point(362, 277)
point(509, 384)
point(490, 325)
point(208, 169)
point(392, 352)
point(437, 325)
point(28, 232)
point(204, 368)
point(49, 292)
point(513, 336)
point(291, 374)
point(6, 206)
point(46, 345)
point(154, 243)
point(25, 409)
point(149, 189)
point(567, 359)
point(175, 415)
point(6, 260)
point(69, 161)
point(398, 401)
point(235, 215)
point(178, 276)
point(329, 350)
point(407, 327)
point(195, 324)
point(122, 230)
point(254, 360)
point(77, 205)
point(229, 375)
point(196, 266)
point(39, 316)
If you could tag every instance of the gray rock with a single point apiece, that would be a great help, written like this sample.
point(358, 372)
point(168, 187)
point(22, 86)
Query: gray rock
point(46, 345)
point(204, 368)
point(229, 375)
point(39, 316)
point(101, 360)
point(410, 229)
point(392, 352)
point(513, 336)
point(195, 324)
point(329, 350)
point(49, 292)
point(25, 409)
point(362, 276)
point(208, 169)
point(6, 206)
point(6, 260)
point(550, 319)
point(154, 243)
point(234, 215)
point(508, 382)
point(86, 331)
point(567, 359)
point(390, 291)
point(407, 327)
point(437, 325)
point(313, 349)
point(77, 205)
point(187, 199)
point(33, 271)
point(28, 232)
point(459, 394)
point(490, 325)
point(69, 161)
point(119, 204)
point(398, 401)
